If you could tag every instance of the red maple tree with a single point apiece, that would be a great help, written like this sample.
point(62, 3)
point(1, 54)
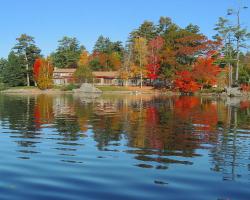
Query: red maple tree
point(185, 82)
point(205, 71)
point(37, 65)
point(153, 67)
point(194, 44)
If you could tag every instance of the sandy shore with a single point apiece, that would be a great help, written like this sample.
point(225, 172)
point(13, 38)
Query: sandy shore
point(132, 90)
point(34, 91)
point(129, 90)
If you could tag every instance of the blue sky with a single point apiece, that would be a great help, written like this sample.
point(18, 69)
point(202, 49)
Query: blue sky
point(50, 20)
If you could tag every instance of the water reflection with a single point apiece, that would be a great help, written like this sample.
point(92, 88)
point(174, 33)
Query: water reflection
point(154, 132)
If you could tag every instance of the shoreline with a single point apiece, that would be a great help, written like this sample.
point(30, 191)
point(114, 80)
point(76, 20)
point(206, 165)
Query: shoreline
point(146, 91)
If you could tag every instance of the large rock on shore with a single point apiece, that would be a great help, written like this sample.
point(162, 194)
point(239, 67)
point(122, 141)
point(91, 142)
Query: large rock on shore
point(234, 91)
point(88, 88)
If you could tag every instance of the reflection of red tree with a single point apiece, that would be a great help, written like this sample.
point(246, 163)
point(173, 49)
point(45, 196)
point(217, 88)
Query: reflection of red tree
point(152, 115)
point(43, 111)
point(207, 118)
point(153, 136)
point(185, 106)
point(203, 116)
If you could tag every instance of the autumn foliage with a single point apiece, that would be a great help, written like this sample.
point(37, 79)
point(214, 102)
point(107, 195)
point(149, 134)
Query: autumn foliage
point(205, 71)
point(185, 82)
point(153, 67)
point(37, 65)
point(245, 87)
point(43, 73)
point(193, 44)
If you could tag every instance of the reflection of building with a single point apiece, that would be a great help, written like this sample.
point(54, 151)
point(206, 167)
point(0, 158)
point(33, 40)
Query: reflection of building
point(65, 76)
point(105, 108)
point(62, 106)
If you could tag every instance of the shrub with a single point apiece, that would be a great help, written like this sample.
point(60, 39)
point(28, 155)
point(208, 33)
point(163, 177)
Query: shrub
point(245, 87)
point(2, 86)
point(69, 87)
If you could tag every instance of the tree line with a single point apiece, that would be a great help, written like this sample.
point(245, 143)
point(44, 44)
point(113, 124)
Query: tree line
point(163, 53)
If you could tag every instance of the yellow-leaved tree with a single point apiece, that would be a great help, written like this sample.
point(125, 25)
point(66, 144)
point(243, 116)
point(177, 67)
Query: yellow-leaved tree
point(83, 72)
point(140, 49)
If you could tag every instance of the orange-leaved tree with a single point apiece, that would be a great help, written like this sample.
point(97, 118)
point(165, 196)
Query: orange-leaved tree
point(83, 72)
point(185, 82)
point(115, 60)
point(43, 73)
point(205, 71)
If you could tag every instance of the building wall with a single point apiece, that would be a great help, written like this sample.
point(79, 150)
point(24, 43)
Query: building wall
point(65, 78)
point(97, 81)
point(59, 81)
point(106, 81)
point(62, 81)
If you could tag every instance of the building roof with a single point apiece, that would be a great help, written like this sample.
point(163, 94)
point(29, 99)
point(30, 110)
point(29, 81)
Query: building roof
point(64, 70)
point(110, 74)
point(105, 73)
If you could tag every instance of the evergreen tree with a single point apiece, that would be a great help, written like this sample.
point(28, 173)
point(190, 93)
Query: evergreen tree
point(28, 51)
point(67, 53)
point(107, 55)
point(234, 39)
point(14, 71)
point(146, 30)
point(3, 65)
point(103, 45)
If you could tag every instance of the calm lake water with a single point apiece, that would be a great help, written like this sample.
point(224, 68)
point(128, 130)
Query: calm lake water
point(124, 147)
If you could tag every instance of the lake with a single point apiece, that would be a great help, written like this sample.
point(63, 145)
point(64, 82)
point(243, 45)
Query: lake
point(124, 147)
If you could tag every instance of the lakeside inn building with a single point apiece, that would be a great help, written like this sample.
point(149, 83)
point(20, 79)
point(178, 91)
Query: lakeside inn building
point(65, 77)
point(102, 78)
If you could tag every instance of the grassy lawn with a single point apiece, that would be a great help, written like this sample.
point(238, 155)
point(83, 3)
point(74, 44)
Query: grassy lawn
point(112, 88)
point(102, 88)
point(19, 88)
point(123, 88)
point(23, 87)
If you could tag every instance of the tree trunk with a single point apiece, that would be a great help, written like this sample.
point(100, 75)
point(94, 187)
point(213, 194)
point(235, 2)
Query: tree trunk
point(27, 70)
point(230, 81)
point(141, 78)
point(140, 70)
point(238, 50)
point(237, 65)
point(230, 75)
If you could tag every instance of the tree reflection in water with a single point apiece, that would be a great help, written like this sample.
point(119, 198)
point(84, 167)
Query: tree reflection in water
point(156, 130)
